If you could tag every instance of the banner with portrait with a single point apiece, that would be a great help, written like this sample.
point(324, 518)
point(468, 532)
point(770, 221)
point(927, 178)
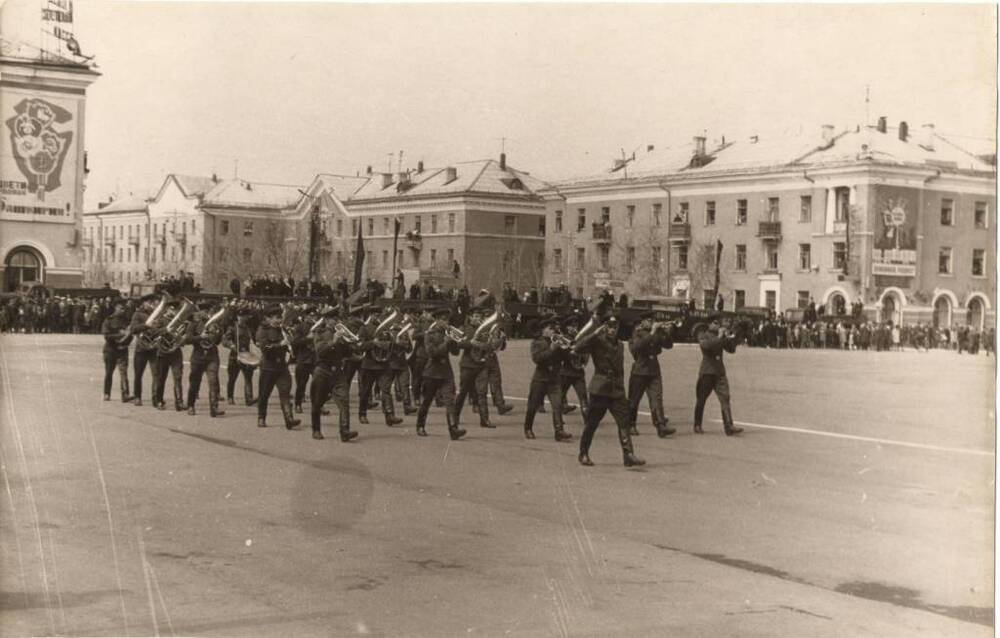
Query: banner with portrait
point(895, 232)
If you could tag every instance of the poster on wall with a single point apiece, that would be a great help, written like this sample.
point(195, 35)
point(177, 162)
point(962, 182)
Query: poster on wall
point(38, 176)
point(895, 241)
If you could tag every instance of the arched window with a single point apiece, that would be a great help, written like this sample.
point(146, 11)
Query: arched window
point(22, 265)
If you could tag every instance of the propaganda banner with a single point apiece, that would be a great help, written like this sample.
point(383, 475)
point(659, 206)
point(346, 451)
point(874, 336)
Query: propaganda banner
point(895, 230)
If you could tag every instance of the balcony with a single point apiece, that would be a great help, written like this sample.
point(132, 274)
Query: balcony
point(413, 240)
point(680, 232)
point(111, 241)
point(602, 233)
point(160, 238)
point(769, 231)
point(133, 240)
point(180, 238)
point(87, 242)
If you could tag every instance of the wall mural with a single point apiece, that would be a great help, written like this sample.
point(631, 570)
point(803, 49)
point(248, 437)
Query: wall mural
point(39, 148)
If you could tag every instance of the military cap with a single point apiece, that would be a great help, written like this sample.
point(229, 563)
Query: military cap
point(572, 319)
point(548, 322)
point(441, 313)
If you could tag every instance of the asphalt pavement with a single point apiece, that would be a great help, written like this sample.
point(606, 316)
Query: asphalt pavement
point(858, 501)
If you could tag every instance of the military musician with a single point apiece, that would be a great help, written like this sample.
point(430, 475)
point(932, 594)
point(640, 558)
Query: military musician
point(204, 333)
point(117, 338)
point(237, 340)
point(145, 347)
point(333, 348)
point(547, 352)
point(275, 346)
point(168, 333)
point(648, 340)
point(376, 346)
point(438, 377)
point(712, 376)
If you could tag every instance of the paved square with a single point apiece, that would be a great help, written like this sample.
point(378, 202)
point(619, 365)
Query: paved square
point(859, 501)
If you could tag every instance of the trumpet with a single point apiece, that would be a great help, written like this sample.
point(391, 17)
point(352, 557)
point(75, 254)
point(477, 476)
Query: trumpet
point(453, 333)
point(667, 325)
point(345, 333)
point(561, 341)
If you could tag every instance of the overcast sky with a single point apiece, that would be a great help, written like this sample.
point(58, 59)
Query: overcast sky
point(291, 90)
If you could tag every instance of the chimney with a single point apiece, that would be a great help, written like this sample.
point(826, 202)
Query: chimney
point(215, 178)
point(904, 131)
point(928, 137)
point(649, 148)
point(450, 174)
point(248, 186)
point(753, 139)
point(503, 161)
point(420, 166)
point(386, 180)
point(699, 145)
point(881, 124)
point(827, 134)
point(368, 170)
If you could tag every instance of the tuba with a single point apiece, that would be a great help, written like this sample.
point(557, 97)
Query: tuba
point(453, 333)
point(173, 337)
point(145, 342)
point(210, 330)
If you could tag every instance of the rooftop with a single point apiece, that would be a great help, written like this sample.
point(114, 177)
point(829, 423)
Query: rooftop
point(238, 193)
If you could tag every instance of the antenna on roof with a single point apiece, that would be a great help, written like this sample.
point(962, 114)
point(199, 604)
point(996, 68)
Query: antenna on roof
point(622, 164)
point(399, 164)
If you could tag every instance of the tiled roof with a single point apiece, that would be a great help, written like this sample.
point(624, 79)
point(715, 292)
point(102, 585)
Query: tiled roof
point(480, 176)
point(800, 151)
point(237, 193)
point(127, 204)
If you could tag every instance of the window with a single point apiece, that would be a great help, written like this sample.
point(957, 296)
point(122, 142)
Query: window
point(385, 225)
point(557, 259)
point(385, 259)
point(184, 228)
point(541, 226)
point(771, 299)
point(802, 299)
point(193, 223)
point(540, 261)
point(682, 213)
point(944, 261)
point(604, 254)
point(710, 213)
point(605, 214)
point(223, 227)
point(120, 253)
point(656, 258)
point(806, 208)
point(630, 215)
point(451, 255)
point(371, 226)
point(708, 298)
point(194, 253)
point(978, 259)
point(368, 257)
point(508, 259)
point(416, 224)
point(340, 228)
point(682, 257)
point(223, 253)
point(840, 255)
point(805, 257)
point(434, 223)
point(657, 213)
point(771, 258)
point(145, 253)
point(451, 222)
point(434, 258)
point(247, 254)
point(741, 212)
point(739, 299)
point(399, 259)
point(980, 215)
point(741, 256)
point(340, 260)
point(842, 196)
point(558, 217)
point(247, 229)
point(773, 209)
point(947, 212)
point(508, 224)
point(630, 259)
point(354, 227)
point(581, 258)
point(581, 219)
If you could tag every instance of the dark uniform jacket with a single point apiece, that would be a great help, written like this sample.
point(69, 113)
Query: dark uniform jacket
point(138, 325)
point(111, 328)
point(331, 355)
point(302, 344)
point(273, 351)
point(712, 347)
point(574, 365)
point(608, 355)
point(195, 329)
point(547, 358)
point(474, 353)
point(438, 347)
point(645, 346)
point(369, 347)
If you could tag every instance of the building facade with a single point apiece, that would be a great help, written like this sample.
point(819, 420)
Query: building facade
point(901, 222)
point(43, 165)
point(475, 224)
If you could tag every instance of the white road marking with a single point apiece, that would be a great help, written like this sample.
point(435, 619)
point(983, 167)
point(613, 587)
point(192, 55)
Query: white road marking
point(850, 437)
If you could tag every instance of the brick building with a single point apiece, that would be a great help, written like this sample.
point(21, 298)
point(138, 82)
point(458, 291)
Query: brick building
point(483, 216)
point(901, 221)
point(43, 165)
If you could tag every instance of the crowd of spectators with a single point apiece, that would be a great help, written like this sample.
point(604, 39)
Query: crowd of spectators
point(76, 315)
point(851, 334)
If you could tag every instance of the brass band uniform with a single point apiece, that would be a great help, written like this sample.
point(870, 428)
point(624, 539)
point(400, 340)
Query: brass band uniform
point(437, 374)
point(573, 373)
point(548, 354)
point(376, 345)
point(472, 369)
point(647, 342)
point(712, 376)
point(204, 334)
point(274, 347)
point(305, 357)
point(169, 357)
point(117, 338)
point(399, 365)
point(237, 339)
point(330, 379)
point(145, 348)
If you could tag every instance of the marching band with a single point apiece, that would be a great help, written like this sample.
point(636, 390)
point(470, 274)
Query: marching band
point(399, 356)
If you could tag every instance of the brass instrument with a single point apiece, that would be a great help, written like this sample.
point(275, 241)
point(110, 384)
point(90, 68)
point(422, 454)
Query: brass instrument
point(667, 325)
point(345, 334)
point(126, 338)
point(210, 330)
point(587, 328)
point(174, 332)
point(405, 341)
point(561, 341)
point(382, 352)
point(453, 333)
point(144, 340)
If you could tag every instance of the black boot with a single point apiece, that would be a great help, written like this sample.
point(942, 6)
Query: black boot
point(420, 430)
point(231, 401)
point(454, 431)
point(584, 459)
point(107, 397)
point(252, 401)
point(290, 421)
point(633, 430)
point(569, 407)
point(191, 410)
point(138, 401)
point(627, 452)
point(261, 422)
point(298, 408)
point(732, 429)
point(363, 419)
point(409, 410)
point(529, 433)
point(213, 408)
point(319, 435)
point(663, 430)
point(697, 429)
point(632, 460)
point(347, 434)
point(562, 435)
point(504, 409)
